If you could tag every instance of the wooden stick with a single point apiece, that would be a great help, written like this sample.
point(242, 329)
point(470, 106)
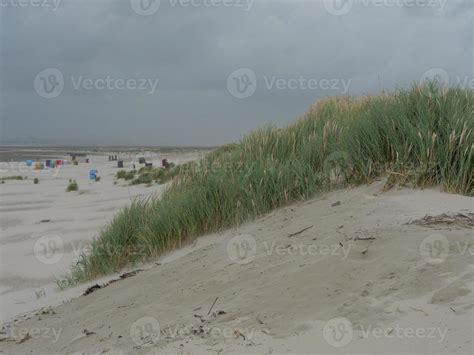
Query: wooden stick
point(299, 232)
point(210, 309)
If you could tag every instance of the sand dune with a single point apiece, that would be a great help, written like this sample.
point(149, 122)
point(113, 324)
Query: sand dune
point(348, 271)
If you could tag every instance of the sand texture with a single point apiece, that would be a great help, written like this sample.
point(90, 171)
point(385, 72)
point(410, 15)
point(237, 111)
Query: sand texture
point(351, 271)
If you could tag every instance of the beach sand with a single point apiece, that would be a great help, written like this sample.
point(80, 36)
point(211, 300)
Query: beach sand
point(34, 216)
point(346, 272)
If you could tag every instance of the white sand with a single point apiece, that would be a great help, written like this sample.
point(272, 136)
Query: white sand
point(322, 291)
point(27, 274)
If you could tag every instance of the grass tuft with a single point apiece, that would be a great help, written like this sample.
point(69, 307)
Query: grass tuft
point(421, 136)
point(16, 177)
point(73, 186)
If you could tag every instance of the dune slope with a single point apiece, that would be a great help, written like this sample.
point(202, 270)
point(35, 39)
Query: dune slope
point(355, 270)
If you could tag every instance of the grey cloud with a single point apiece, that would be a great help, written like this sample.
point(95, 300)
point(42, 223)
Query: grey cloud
point(192, 51)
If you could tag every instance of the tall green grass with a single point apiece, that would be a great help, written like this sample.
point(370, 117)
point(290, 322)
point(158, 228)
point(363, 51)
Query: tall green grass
point(422, 135)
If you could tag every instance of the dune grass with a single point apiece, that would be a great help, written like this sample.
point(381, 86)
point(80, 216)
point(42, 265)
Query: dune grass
point(421, 136)
point(148, 175)
point(72, 186)
point(16, 177)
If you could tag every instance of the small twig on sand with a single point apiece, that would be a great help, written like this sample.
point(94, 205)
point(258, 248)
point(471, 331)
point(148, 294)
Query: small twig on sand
point(299, 232)
point(210, 309)
point(362, 238)
point(139, 346)
point(420, 310)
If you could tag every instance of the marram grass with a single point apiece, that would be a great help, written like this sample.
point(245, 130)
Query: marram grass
point(423, 136)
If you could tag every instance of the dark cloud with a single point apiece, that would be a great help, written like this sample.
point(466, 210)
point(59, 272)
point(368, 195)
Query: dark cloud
point(192, 50)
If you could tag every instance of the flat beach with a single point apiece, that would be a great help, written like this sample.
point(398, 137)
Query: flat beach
point(34, 215)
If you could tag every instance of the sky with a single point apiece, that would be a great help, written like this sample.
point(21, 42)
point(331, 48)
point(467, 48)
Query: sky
point(205, 72)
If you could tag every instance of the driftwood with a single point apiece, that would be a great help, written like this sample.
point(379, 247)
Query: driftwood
point(459, 219)
point(299, 232)
point(362, 238)
point(210, 309)
point(96, 287)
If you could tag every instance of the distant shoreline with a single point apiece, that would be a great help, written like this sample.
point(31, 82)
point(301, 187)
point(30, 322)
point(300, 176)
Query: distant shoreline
point(22, 152)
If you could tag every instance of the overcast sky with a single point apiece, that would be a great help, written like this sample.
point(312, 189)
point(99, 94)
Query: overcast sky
point(205, 72)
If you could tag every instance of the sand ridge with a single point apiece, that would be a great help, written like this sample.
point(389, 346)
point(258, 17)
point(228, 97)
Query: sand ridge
point(359, 278)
